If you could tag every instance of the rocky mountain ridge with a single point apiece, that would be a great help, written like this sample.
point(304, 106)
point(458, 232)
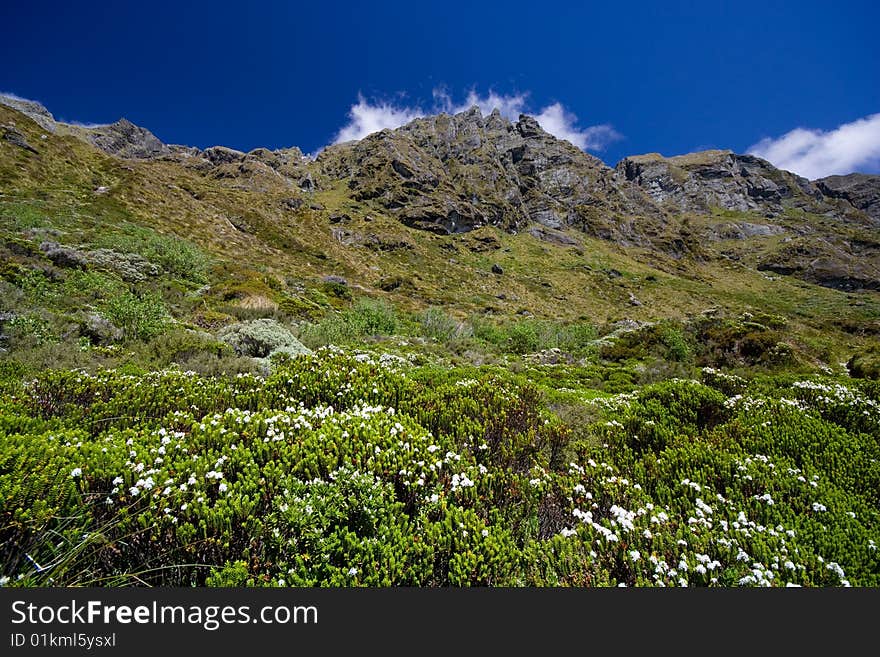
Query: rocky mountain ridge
point(456, 174)
point(531, 176)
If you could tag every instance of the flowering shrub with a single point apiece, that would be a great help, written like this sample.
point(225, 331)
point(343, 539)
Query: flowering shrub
point(260, 338)
point(351, 469)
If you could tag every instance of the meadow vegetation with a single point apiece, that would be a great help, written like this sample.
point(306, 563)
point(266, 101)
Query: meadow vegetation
point(209, 381)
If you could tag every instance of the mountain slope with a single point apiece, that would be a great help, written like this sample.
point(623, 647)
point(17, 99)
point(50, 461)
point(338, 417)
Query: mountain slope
point(477, 215)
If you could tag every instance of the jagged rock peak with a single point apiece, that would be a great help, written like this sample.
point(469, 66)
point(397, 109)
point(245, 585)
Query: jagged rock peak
point(126, 140)
point(454, 173)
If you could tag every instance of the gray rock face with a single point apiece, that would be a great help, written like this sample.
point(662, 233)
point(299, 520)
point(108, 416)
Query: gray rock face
point(552, 236)
point(453, 174)
point(722, 179)
point(131, 267)
point(825, 265)
point(32, 109)
point(860, 189)
point(223, 155)
point(13, 136)
point(126, 140)
point(742, 231)
point(100, 330)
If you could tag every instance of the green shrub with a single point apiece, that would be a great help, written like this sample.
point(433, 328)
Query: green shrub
point(677, 347)
point(174, 254)
point(366, 318)
point(437, 324)
point(372, 317)
point(522, 337)
point(140, 317)
point(336, 289)
point(346, 469)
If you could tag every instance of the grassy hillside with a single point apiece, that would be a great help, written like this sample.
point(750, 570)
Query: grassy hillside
point(530, 407)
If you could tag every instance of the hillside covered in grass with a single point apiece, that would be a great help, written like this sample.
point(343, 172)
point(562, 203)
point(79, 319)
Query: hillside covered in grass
point(462, 352)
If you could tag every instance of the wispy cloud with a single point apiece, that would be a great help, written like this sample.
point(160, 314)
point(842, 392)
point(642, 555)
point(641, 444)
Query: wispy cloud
point(80, 124)
point(561, 123)
point(815, 153)
point(13, 96)
point(365, 117)
point(510, 106)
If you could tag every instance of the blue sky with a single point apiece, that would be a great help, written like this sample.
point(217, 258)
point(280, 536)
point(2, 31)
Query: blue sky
point(615, 78)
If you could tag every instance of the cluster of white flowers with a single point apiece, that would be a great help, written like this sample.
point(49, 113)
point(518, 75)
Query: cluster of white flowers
point(461, 481)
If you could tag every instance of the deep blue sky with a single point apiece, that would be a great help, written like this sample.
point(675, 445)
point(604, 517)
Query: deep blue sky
point(670, 76)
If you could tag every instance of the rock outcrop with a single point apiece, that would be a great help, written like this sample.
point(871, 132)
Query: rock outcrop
point(126, 140)
point(826, 264)
point(700, 181)
point(12, 135)
point(31, 109)
point(861, 190)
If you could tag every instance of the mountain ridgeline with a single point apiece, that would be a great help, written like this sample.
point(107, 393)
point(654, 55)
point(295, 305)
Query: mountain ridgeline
point(454, 174)
point(474, 214)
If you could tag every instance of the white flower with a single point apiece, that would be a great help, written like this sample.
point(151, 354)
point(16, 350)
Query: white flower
point(76, 472)
point(222, 487)
point(352, 572)
point(819, 507)
point(134, 490)
point(635, 555)
point(117, 481)
point(485, 533)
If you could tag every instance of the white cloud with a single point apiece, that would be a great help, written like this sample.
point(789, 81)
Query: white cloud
point(13, 96)
point(365, 118)
point(815, 154)
point(562, 124)
point(21, 99)
point(510, 106)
